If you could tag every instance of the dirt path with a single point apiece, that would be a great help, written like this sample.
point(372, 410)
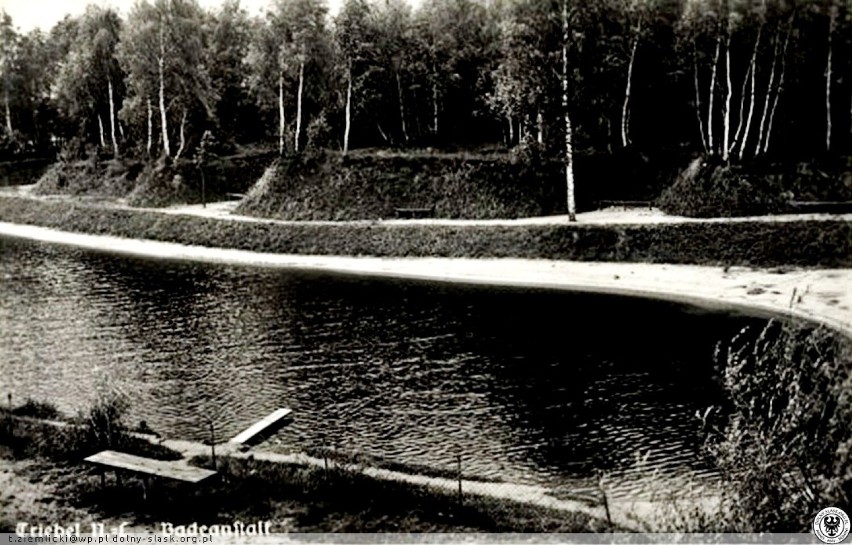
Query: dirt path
point(626, 513)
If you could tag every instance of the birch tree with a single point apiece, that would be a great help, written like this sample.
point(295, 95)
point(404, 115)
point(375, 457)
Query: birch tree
point(267, 77)
point(89, 84)
point(354, 41)
point(303, 39)
point(569, 131)
point(9, 44)
point(161, 50)
point(833, 11)
point(225, 51)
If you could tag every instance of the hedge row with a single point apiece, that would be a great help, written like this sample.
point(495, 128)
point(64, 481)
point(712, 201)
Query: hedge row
point(826, 243)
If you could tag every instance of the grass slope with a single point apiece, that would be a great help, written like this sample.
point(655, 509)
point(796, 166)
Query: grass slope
point(804, 243)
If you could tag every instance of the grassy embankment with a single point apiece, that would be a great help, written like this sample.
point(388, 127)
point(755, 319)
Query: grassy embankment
point(154, 183)
point(366, 184)
point(752, 243)
point(296, 498)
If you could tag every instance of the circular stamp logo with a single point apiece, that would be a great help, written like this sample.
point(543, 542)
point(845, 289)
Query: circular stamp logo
point(831, 525)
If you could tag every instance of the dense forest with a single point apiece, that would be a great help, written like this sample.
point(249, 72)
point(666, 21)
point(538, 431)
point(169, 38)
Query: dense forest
point(743, 82)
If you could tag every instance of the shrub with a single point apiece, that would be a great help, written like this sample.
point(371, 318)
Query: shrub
point(709, 189)
point(784, 446)
point(100, 428)
point(36, 409)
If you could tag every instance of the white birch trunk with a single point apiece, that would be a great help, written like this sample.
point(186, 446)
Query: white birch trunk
point(741, 112)
point(281, 122)
point(726, 137)
point(182, 136)
point(101, 130)
point(112, 118)
point(539, 123)
point(764, 118)
point(698, 98)
point(710, 144)
point(150, 126)
point(164, 122)
point(348, 110)
point(401, 105)
point(8, 112)
point(299, 105)
point(779, 89)
point(434, 100)
point(625, 111)
point(569, 146)
point(828, 75)
point(753, 68)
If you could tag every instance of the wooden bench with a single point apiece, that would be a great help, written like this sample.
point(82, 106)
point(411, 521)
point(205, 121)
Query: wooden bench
point(626, 204)
point(258, 430)
point(413, 213)
point(148, 467)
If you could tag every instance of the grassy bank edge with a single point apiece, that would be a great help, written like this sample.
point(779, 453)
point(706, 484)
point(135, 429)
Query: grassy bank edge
point(806, 243)
point(338, 498)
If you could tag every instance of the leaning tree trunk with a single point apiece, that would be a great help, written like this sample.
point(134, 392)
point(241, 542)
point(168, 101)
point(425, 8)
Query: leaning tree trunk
point(299, 105)
point(710, 143)
point(569, 146)
point(164, 122)
point(101, 131)
point(182, 136)
point(779, 88)
point(698, 97)
point(348, 109)
point(112, 118)
point(281, 121)
point(767, 100)
point(150, 127)
point(625, 108)
point(753, 69)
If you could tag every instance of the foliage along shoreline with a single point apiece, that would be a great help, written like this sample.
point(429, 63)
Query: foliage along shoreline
point(815, 243)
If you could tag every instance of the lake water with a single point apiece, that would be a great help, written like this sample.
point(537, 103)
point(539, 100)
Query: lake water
point(528, 386)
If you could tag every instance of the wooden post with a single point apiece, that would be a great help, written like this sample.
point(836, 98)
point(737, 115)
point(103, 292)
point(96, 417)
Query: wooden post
point(212, 445)
point(459, 473)
point(605, 501)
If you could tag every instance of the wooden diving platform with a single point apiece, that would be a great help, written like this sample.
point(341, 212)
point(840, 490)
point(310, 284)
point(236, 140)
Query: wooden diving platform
point(256, 430)
point(175, 470)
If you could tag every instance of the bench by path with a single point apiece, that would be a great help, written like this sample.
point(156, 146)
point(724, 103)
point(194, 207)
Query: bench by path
point(178, 470)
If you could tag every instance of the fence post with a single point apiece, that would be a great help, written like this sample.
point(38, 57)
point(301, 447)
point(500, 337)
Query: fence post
point(459, 473)
point(212, 444)
point(605, 500)
point(9, 420)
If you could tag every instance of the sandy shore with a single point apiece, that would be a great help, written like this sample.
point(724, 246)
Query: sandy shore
point(820, 295)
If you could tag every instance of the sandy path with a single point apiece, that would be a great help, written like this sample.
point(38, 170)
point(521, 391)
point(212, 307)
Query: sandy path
point(821, 295)
point(608, 216)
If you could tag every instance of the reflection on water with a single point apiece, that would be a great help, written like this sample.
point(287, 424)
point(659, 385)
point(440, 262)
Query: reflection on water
point(529, 386)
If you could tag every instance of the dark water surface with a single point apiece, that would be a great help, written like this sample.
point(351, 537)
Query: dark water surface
point(528, 386)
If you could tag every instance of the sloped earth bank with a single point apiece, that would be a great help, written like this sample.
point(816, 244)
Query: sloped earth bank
point(809, 242)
